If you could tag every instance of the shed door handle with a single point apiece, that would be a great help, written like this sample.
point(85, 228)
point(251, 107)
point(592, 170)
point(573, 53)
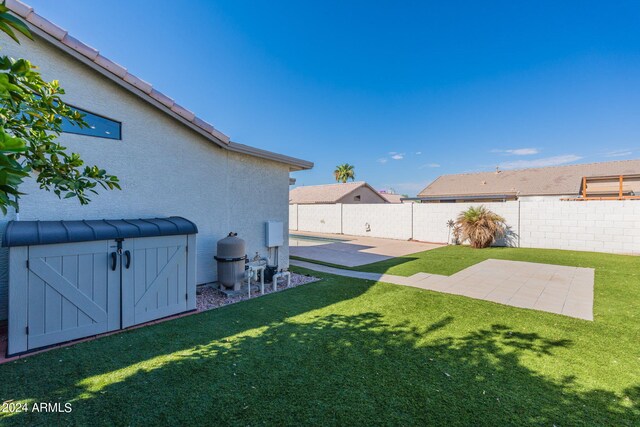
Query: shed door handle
point(127, 256)
point(114, 261)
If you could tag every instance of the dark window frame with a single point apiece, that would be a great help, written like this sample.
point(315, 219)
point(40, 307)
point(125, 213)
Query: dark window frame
point(83, 111)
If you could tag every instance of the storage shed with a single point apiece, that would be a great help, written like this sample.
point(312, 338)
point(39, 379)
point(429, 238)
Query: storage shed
point(73, 279)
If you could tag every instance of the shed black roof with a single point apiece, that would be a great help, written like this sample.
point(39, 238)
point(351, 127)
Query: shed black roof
point(29, 233)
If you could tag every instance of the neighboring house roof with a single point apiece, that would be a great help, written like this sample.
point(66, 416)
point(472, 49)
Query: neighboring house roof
point(392, 198)
point(328, 193)
point(118, 74)
point(554, 180)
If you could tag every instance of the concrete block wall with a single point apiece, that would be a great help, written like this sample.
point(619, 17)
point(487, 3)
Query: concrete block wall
point(320, 218)
point(391, 221)
point(430, 220)
point(293, 217)
point(600, 226)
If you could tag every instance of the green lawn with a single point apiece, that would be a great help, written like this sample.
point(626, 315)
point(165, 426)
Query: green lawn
point(347, 351)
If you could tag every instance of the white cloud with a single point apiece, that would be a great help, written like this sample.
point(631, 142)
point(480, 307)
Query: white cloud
point(398, 156)
point(518, 151)
point(382, 160)
point(618, 153)
point(418, 152)
point(430, 165)
point(523, 151)
point(539, 163)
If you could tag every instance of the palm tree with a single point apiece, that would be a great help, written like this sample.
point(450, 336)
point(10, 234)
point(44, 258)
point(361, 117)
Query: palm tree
point(480, 226)
point(344, 172)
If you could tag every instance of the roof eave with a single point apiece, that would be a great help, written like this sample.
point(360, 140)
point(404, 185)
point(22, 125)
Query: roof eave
point(294, 163)
point(466, 196)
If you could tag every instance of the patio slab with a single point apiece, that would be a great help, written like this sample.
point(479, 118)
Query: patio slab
point(553, 288)
point(353, 251)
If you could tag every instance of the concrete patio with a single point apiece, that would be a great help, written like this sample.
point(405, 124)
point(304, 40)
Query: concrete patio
point(553, 288)
point(353, 251)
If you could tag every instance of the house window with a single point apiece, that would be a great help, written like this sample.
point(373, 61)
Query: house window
point(99, 126)
point(356, 198)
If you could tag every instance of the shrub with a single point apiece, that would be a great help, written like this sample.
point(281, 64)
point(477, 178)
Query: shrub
point(480, 226)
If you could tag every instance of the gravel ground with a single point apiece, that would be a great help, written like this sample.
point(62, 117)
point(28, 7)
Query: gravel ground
point(210, 298)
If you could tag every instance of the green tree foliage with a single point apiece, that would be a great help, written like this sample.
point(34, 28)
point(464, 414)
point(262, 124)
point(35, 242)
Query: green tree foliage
point(344, 172)
point(31, 118)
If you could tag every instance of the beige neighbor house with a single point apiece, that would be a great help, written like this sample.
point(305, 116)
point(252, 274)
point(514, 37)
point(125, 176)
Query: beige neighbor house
point(619, 180)
point(347, 193)
point(169, 161)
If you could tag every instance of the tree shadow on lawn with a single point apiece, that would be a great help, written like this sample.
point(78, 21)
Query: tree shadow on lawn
point(343, 369)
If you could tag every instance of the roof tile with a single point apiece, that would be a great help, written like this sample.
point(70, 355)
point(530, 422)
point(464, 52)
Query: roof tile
point(46, 26)
point(181, 111)
point(221, 136)
point(108, 64)
point(80, 47)
point(203, 125)
point(19, 8)
point(161, 98)
point(139, 83)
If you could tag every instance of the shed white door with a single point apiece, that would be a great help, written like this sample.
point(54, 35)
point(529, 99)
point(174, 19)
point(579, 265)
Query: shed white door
point(154, 278)
point(72, 292)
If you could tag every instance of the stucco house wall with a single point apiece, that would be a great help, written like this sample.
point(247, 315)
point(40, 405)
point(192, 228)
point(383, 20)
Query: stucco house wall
point(366, 196)
point(164, 168)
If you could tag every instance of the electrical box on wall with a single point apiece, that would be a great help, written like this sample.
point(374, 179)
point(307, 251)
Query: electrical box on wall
point(274, 233)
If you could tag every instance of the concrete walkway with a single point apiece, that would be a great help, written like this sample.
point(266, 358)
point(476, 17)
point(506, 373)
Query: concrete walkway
point(545, 287)
point(352, 251)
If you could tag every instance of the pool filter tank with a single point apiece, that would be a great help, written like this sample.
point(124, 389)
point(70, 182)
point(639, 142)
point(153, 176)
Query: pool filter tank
point(231, 257)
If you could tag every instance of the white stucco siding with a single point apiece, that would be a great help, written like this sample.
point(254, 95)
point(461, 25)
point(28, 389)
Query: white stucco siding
point(261, 195)
point(362, 195)
point(164, 168)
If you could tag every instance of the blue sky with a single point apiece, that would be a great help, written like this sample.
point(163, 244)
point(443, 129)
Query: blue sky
point(405, 91)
